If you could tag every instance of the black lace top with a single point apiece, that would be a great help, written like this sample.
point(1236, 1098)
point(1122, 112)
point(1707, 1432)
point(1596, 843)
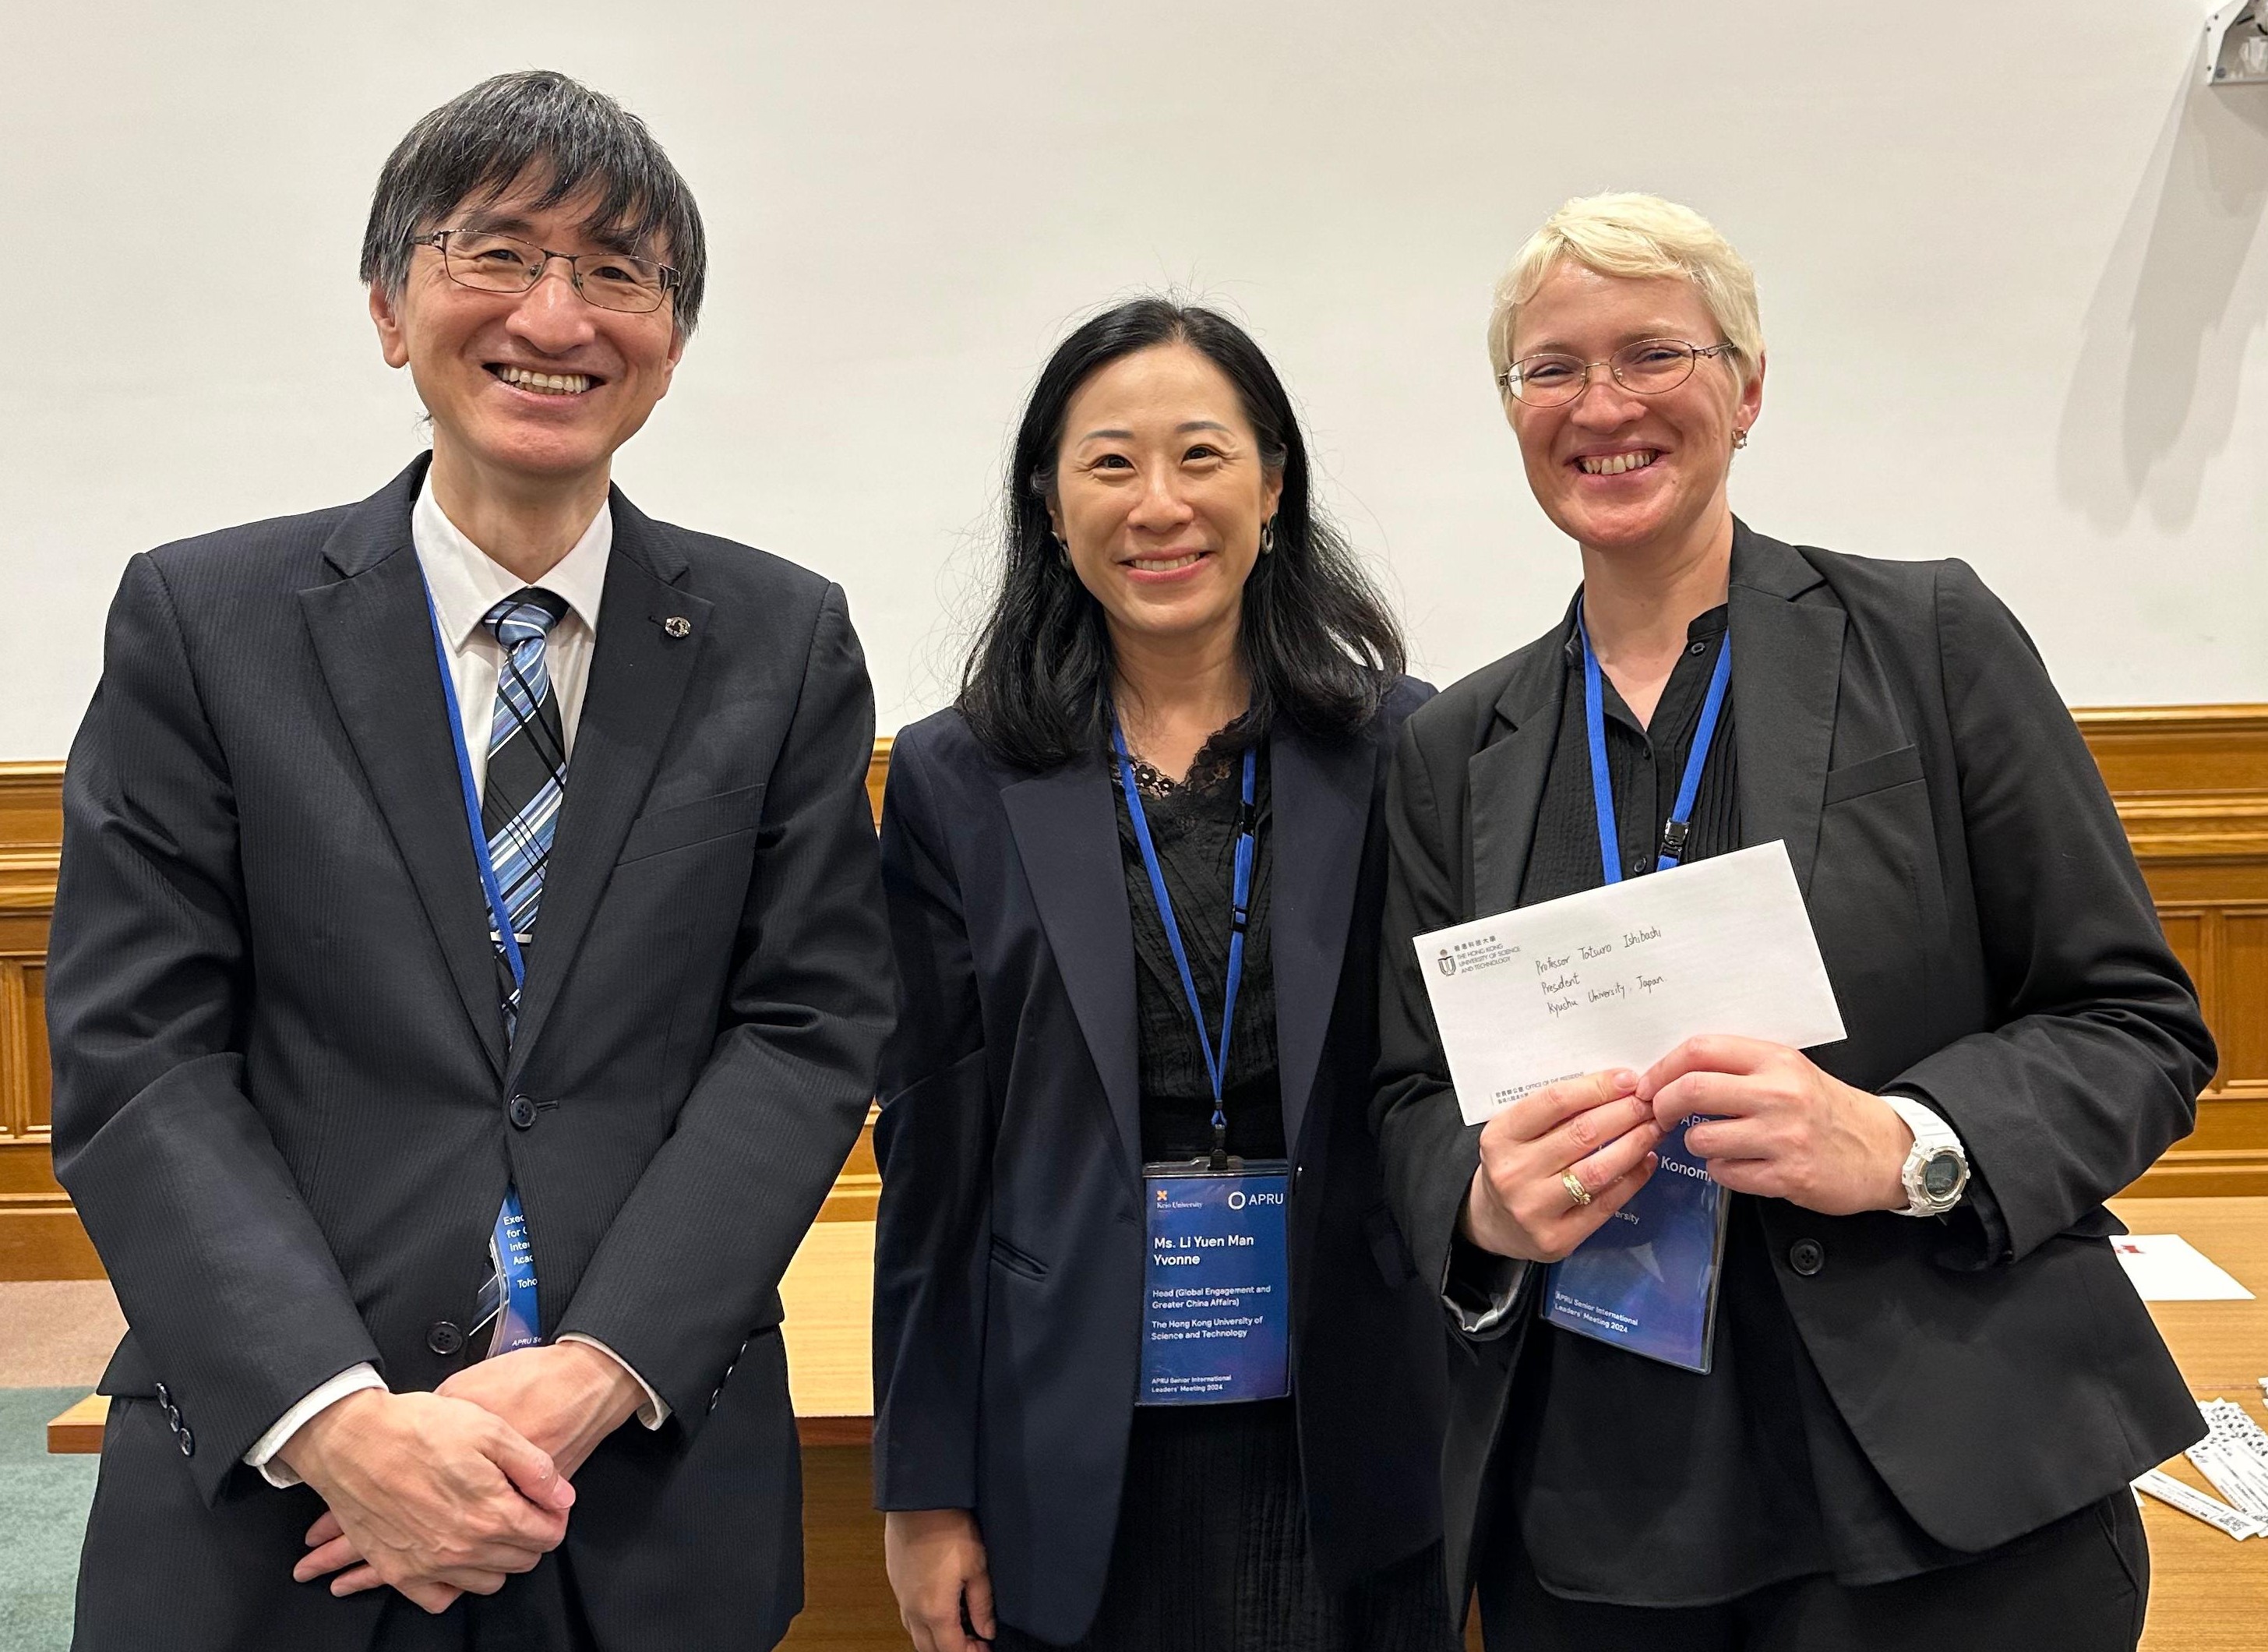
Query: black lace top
point(1194, 825)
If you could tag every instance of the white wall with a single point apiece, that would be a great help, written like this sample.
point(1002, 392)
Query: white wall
point(2010, 267)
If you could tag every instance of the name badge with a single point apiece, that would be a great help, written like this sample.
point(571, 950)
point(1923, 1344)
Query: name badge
point(514, 1259)
point(1217, 1288)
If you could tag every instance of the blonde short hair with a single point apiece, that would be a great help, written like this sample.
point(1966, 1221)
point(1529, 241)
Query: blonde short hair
point(1640, 236)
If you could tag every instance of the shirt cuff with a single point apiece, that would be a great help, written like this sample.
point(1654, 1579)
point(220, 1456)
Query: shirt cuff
point(655, 1411)
point(1481, 1288)
point(263, 1455)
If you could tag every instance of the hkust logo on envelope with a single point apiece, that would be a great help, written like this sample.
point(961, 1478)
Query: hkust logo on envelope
point(1447, 961)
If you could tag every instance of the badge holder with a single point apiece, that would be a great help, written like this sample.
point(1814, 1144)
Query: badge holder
point(507, 1301)
point(1216, 1309)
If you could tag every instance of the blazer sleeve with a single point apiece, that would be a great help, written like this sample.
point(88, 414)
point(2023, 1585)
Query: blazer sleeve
point(235, 1300)
point(1428, 1151)
point(693, 1259)
point(934, 1147)
point(2095, 1066)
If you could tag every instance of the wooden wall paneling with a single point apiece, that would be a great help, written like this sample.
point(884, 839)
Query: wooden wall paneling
point(2191, 786)
point(2190, 782)
point(878, 770)
point(39, 1234)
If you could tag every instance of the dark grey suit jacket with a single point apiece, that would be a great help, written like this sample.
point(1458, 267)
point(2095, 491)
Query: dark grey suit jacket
point(282, 1085)
point(1994, 953)
point(1009, 1254)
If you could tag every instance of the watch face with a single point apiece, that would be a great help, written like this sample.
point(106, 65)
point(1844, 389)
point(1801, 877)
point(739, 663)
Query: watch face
point(1941, 1175)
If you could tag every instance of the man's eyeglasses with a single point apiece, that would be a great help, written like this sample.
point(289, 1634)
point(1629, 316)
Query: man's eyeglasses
point(1647, 367)
point(500, 263)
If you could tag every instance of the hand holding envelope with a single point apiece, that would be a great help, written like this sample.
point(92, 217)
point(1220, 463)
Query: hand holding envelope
point(1597, 1129)
point(1775, 1124)
point(1711, 974)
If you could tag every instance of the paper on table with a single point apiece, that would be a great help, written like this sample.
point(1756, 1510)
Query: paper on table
point(2196, 1504)
point(1620, 976)
point(2164, 1268)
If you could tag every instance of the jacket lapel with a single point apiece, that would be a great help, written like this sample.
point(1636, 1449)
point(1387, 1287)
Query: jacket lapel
point(1066, 833)
point(1319, 805)
point(638, 674)
point(1787, 664)
point(373, 638)
point(1504, 779)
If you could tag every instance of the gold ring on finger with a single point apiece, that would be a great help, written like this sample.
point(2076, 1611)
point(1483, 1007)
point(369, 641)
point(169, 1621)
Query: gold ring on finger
point(1576, 1191)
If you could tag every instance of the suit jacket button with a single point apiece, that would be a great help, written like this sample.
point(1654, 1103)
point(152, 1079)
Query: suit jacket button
point(188, 1443)
point(164, 1399)
point(1807, 1256)
point(521, 1112)
point(445, 1338)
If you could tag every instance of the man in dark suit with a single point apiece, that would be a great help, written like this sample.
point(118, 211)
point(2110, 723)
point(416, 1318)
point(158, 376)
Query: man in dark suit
point(467, 974)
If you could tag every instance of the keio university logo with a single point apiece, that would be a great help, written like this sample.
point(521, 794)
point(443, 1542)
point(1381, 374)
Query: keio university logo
point(1447, 960)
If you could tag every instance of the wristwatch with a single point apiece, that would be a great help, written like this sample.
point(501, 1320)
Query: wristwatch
point(1936, 1171)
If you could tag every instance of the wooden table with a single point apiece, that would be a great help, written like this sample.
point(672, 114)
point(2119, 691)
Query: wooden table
point(2208, 1594)
point(828, 1294)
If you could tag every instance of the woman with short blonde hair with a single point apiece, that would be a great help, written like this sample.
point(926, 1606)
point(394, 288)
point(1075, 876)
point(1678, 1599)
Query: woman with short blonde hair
point(1638, 237)
point(1928, 1382)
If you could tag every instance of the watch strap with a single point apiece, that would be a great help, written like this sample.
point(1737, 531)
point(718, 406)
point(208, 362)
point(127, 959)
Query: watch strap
point(1929, 1130)
point(1932, 1136)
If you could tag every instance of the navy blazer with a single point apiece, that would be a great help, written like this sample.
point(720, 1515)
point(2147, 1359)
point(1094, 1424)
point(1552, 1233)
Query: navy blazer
point(286, 1107)
point(1008, 1266)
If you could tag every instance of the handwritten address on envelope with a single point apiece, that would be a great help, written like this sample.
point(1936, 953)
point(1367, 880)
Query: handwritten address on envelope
point(1622, 975)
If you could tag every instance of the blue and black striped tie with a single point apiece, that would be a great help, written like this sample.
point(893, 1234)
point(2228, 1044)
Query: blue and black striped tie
point(519, 812)
point(528, 769)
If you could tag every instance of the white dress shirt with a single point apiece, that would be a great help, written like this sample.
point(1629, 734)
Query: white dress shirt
point(465, 585)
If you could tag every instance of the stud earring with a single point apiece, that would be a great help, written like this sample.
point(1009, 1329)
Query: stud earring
point(1740, 440)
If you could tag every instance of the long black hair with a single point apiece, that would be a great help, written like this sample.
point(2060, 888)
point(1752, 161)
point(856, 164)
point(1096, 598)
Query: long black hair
point(1319, 643)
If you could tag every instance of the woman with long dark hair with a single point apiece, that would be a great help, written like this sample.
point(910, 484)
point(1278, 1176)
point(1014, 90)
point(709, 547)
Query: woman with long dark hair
point(1152, 1367)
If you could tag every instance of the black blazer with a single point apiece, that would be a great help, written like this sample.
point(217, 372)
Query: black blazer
point(281, 1085)
point(1994, 952)
point(1008, 1261)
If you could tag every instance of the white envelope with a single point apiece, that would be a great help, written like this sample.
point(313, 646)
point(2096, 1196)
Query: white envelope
point(1620, 976)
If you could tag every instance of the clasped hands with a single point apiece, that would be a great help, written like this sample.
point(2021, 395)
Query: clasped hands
point(451, 1492)
point(1772, 1123)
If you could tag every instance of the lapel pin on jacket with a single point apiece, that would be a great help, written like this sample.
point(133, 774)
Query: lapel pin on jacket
point(677, 627)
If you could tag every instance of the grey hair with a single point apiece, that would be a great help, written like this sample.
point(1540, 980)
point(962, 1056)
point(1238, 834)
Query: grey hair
point(536, 124)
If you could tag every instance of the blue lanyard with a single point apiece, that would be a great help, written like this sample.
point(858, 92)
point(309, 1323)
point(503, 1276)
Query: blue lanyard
point(499, 917)
point(515, 1313)
point(1240, 897)
point(1679, 825)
